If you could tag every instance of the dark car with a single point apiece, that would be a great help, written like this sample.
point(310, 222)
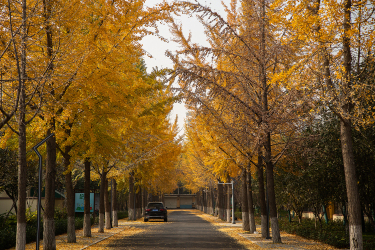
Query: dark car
point(155, 210)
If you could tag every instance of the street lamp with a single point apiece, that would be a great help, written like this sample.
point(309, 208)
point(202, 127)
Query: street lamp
point(35, 148)
point(231, 183)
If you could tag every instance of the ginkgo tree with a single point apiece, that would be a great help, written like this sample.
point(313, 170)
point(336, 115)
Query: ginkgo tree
point(333, 38)
point(29, 60)
point(88, 86)
point(233, 78)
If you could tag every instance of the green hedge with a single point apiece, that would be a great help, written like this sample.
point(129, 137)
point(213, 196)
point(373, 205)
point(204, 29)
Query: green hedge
point(122, 214)
point(8, 236)
point(333, 233)
point(8, 233)
point(238, 215)
point(9, 229)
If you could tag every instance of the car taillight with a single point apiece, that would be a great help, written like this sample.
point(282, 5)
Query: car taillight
point(148, 210)
point(161, 210)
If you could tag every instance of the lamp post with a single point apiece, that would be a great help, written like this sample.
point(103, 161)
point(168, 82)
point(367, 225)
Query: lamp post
point(231, 183)
point(35, 148)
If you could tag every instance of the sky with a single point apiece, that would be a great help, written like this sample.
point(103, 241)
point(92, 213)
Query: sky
point(157, 48)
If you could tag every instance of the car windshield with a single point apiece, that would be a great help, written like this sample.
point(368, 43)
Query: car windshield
point(155, 205)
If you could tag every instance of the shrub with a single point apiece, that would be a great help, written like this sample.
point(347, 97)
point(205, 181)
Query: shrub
point(60, 213)
point(8, 233)
point(61, 226)
point(31, 217)
point(8, 236)
point(122, 214)
point(238, 215)
point(78, 223)
point(332, 233)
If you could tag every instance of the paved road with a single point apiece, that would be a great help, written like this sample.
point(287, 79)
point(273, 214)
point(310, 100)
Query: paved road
point(184, 230)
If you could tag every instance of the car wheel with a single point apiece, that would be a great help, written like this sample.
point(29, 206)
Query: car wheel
point(165, 219)
point(145, 220)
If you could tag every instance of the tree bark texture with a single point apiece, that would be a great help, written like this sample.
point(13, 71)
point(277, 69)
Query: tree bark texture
point(143, 201)
point(103, 177)
point(262, 201)
point(199, 200)
point(216, 203)
point(22, 165)
point(225, 205)
point(205, 201)
point(267, 134)
point(86, 218)
point(131, 210)
point(220, 201)
point(354, 205)
point(228, 198)
point(202, 199)
point(49, 241)
point(212, 194)
point(114, 201)
point(208, 197)
point(245, 207)
point(107, 206)
point(272, 204)
point(22, 168)
point(250, 202)
point(70, 203)
point(139, 204)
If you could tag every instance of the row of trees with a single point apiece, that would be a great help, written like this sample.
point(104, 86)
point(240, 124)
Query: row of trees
point(272, 69)
point(74, 68)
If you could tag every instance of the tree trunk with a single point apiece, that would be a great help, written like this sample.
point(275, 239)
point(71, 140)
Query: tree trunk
point(211, 203)
point(220, 201)
point(216, 203)
point(208, 198)
point(69, 200)
point(212, 200)
point(49, 241)
point(272, 204)
point(354, 205)
point(251, 203)
point(86, 218)
point(267, 138)
point(114, 203)
point(225, 205)
point(103, 177)
point(201, 200)
point(245, 207)
point(206, 203)
point(229, 194)
point(262, 201)
point(143, 201)
point(22, 165)
point(131, 210)
point(107, 206)
point(139, 204)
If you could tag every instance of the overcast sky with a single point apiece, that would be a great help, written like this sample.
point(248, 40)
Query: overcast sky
point(157, 48)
